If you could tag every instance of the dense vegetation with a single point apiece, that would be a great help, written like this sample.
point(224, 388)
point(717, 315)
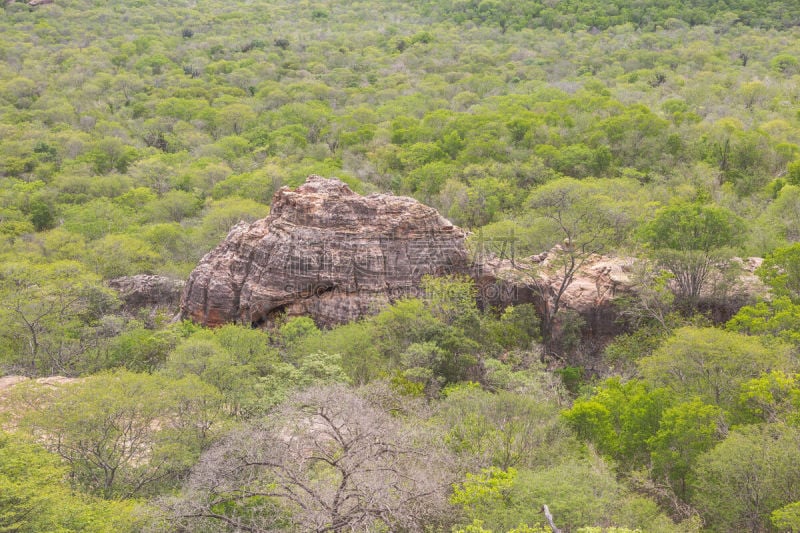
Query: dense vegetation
point(134, 134)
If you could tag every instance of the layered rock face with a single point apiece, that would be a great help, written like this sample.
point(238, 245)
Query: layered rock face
point(326, 252)
point(336, 256)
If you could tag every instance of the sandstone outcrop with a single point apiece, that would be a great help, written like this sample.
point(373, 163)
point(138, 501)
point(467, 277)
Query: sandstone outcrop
point(323, 251)
point(334, 255)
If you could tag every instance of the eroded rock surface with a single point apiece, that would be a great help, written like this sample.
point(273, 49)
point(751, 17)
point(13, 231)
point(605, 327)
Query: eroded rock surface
point(332, 254)
point(326, 252)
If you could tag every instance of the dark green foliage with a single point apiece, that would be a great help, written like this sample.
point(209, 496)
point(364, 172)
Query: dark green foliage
point(42, 216)
point(571, 376)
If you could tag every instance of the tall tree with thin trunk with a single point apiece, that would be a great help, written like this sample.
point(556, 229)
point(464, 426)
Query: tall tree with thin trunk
point(587, 222)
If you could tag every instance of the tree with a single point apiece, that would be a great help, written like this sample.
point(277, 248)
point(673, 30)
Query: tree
point(122, 255)
point(752, 473)
point(772, 397)
point(34, 495)
point(781, 271)
point(784, 213)
point(500, 429)
point(711, 363)
point(780, 317)
point(620, 419)
point(122, 434)
point(327, 460)
point(579, 491)
point(685, 431)
point(586, 221)
point(46, 314)
point(787, 518)
point(239, 362)
point(688, 239)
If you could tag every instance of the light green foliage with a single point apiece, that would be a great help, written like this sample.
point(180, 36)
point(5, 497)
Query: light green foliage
point(685, 431)
point(138, 349)
point(114, 256)
point(484, 491)
point(355, 343)
point(403, 323)
point(124, 434)
point(46, 310)
point(787, 518)
point(748, 476)
point(502, 429)
point(607, 530)
point(35, 495)
point(785, 63)
point(477, 527)
point(780, 318)
point(619, 418)
point(172, 206)
point(711, 363)
point(521, 375)
point(578, 491)
point(239, 362)
point(782, 215)
point(451, 299)
point(643, 427)
point(688, 239)
point(222, 215)
point(483, 495)
point(296, 329)
point(781, 271)
point(772, 397)
point(97, 218)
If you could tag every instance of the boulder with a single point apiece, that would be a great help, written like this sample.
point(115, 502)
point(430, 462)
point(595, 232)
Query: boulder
point(326, 252)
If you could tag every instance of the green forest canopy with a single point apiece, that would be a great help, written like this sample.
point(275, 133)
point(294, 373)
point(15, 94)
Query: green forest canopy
point(135, 134)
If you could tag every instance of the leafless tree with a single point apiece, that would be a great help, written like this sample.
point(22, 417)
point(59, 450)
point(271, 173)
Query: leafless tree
point(327, 461)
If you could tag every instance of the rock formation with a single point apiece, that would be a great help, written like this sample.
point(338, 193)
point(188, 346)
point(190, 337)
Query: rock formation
point(323, 251)
point(594, 287)
point(327, 252)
